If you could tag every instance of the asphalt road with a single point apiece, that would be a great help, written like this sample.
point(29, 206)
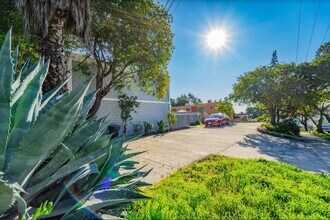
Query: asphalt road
point(167, 153)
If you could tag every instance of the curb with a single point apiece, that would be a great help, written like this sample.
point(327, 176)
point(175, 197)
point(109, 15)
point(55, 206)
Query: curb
point(265, 131)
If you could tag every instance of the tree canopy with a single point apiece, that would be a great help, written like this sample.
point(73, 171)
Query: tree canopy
point(225, 106)
point(185, 99)
point(289, 90)
point(254, 112)
point(131, 42)
point(11, 18)
point(266, 86)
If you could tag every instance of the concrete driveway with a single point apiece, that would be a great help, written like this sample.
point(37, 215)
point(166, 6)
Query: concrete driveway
point(167, 153)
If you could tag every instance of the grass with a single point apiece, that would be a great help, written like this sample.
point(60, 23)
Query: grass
point(226, 188)
point(325, 136)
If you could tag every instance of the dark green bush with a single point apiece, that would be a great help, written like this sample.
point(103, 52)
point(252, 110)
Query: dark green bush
point(287, 126)
point(263, 118)
point(147, 128)
point(138, 129)
point(161, 126)
point(197, 123)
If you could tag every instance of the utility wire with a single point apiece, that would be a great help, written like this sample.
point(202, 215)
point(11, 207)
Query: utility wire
point(166, 3)
point(325, 34)
point(176, 7)
point(298, 31)
point(169, 8)
point(310, 40)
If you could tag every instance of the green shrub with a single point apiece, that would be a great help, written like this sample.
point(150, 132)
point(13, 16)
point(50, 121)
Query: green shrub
point(51, 156)
point(287, 126)
point(263, 118)
point(171, 120)
point(197, 123)
point(161, 126)
point(127, 106)
point(137, 129)
point(148, 128)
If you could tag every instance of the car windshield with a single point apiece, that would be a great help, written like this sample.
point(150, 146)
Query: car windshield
point(214, 116)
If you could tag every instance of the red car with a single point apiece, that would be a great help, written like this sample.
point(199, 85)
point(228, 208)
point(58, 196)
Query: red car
point(216, 119)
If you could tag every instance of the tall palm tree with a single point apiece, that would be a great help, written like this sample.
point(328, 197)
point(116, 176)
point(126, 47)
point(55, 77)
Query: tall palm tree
point(50, 19)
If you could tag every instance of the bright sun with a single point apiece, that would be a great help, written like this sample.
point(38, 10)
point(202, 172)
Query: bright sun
point(216, 39)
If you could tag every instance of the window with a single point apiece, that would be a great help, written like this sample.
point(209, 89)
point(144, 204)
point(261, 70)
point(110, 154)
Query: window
point(188, 109)
point(211, 107)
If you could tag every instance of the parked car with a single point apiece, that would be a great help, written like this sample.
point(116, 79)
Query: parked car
point(326, 128)
point(216, 119)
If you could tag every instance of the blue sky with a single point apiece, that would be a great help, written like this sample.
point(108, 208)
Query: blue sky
point(254, 30)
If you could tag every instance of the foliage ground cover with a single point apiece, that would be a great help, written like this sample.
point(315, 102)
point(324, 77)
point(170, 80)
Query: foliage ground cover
point(325, 136)
point(227, 188)
point(288, 127)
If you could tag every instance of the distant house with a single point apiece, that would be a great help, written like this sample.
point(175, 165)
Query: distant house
point(241, 117)
point(204, 108)
point(150, 109)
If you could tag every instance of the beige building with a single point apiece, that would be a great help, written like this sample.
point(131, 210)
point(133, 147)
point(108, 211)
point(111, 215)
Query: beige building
point(204, 108)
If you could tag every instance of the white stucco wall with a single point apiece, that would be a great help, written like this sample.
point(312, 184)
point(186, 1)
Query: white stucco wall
point(150, 108)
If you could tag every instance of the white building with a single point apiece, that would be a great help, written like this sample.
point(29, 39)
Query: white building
point(150, 108)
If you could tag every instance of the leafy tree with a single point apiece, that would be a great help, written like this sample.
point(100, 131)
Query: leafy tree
point(127, 106)
point(50, 19)
point(193, 99)
point(274, 61)
point(185, 99)
point(171, 120)
point(11, 18)
point(254, 111)
point(225, 106)
point(323, 50)
point(317, 84)
point(131, 42)
point(267, 87)
point(180, 101)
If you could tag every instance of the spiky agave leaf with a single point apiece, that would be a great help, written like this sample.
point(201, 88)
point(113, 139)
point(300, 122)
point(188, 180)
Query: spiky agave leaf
point(50, 148)
point(46, 134)
point(6, 78)
point(7, 196)
point(24, 111)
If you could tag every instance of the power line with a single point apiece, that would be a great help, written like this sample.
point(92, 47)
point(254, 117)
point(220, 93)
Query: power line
point(298, 31)
point(310, 40)
point(169, 8)
point(176, 6)
point(166, 3)
point(325, 34)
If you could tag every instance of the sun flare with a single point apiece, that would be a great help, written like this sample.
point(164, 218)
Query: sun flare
point(216, 39)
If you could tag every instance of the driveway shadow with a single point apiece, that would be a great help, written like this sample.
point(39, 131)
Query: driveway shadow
point(231, 124)
point(312, 155)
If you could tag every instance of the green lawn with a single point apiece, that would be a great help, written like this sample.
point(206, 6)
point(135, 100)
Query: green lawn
point(325, 136)
point(226, 188)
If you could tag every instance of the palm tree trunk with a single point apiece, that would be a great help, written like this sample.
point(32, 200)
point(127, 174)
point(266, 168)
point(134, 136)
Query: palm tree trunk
point(52, 47)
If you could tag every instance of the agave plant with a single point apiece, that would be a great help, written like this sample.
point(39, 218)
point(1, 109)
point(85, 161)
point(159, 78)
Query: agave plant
point(50, 153)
